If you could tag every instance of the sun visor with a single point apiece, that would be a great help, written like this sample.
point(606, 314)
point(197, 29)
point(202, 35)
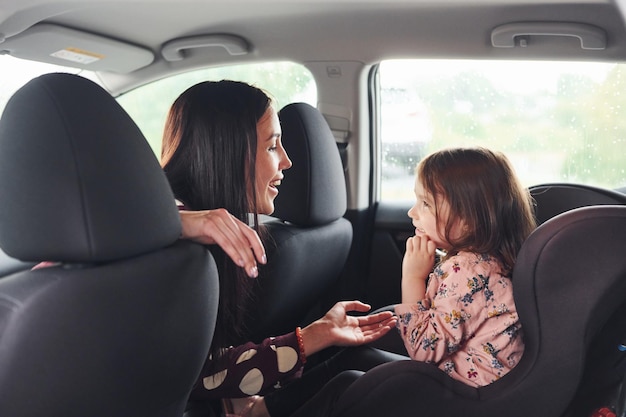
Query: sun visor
point(68, 47)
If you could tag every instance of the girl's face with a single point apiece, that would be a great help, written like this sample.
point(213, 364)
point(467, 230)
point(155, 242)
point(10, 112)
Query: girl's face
point(271, 160)
point(423, 216)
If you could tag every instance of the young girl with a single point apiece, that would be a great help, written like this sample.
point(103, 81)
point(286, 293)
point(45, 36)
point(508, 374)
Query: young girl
point(462, 315)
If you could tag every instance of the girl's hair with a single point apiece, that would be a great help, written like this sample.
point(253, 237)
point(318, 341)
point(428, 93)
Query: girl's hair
point(483, 193)
point(208, 155)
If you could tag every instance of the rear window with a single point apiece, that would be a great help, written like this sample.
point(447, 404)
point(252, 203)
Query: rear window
point(556, 121)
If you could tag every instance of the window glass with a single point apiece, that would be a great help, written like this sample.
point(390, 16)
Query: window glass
point(285, 82)
point(556, 121)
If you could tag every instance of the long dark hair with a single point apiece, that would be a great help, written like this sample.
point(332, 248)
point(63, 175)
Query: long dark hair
point(208, 155)
point(483, 191)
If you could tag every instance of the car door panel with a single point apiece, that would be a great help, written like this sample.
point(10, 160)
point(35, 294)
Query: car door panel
point(391, 229)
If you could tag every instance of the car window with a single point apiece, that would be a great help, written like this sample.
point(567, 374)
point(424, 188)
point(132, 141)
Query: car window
point(148, 105)
point(285, 82)
point(556, 121)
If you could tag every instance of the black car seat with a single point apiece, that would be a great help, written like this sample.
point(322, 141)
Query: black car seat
point(122, 324)
point(309, 240)
point(570, 291)
point(555, 198)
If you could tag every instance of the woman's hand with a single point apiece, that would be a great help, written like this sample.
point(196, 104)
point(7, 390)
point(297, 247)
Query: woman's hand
point(337, 328)
point(237, 239)
point(418, 262)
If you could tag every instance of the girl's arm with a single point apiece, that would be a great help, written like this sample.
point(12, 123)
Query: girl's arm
point(418, 262)
point(430, 327)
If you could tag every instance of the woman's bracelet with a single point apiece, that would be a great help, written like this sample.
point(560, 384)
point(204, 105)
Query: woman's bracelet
point(300, 345)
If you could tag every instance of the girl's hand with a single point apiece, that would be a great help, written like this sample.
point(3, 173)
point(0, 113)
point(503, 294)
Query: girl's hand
point(238, 240)
point(337, 328)
point(417, 264)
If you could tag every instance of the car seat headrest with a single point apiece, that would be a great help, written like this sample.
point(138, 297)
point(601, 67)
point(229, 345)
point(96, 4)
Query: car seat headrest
point(78, 181)
point(313, 191)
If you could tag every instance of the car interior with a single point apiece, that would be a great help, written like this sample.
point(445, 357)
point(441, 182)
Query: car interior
point(365, 89)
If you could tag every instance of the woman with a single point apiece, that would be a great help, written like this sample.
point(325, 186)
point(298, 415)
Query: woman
point(222, 154)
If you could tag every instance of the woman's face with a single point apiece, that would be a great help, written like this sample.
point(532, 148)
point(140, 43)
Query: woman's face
point(271, 160)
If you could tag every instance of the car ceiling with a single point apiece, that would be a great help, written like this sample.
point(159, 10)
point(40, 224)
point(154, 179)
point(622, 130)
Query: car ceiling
point(311, 31)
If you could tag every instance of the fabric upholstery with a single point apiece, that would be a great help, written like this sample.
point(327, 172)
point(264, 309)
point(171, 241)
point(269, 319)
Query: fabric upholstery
point(313, 191)
point(308, 239)
point(90, 199)
point(570, 290)
point(123, 325)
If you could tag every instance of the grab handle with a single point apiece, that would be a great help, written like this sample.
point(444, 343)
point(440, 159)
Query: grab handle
point(591, 37)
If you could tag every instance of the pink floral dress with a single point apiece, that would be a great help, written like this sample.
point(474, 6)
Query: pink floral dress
point(467, 324)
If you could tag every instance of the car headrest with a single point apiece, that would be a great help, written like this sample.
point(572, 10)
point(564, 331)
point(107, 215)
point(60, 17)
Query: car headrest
point(313, 191)
point(78, 181)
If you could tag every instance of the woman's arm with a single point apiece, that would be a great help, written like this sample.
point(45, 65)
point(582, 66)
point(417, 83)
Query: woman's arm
point(238, 240)
point(337, 328)
point(250, 369)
